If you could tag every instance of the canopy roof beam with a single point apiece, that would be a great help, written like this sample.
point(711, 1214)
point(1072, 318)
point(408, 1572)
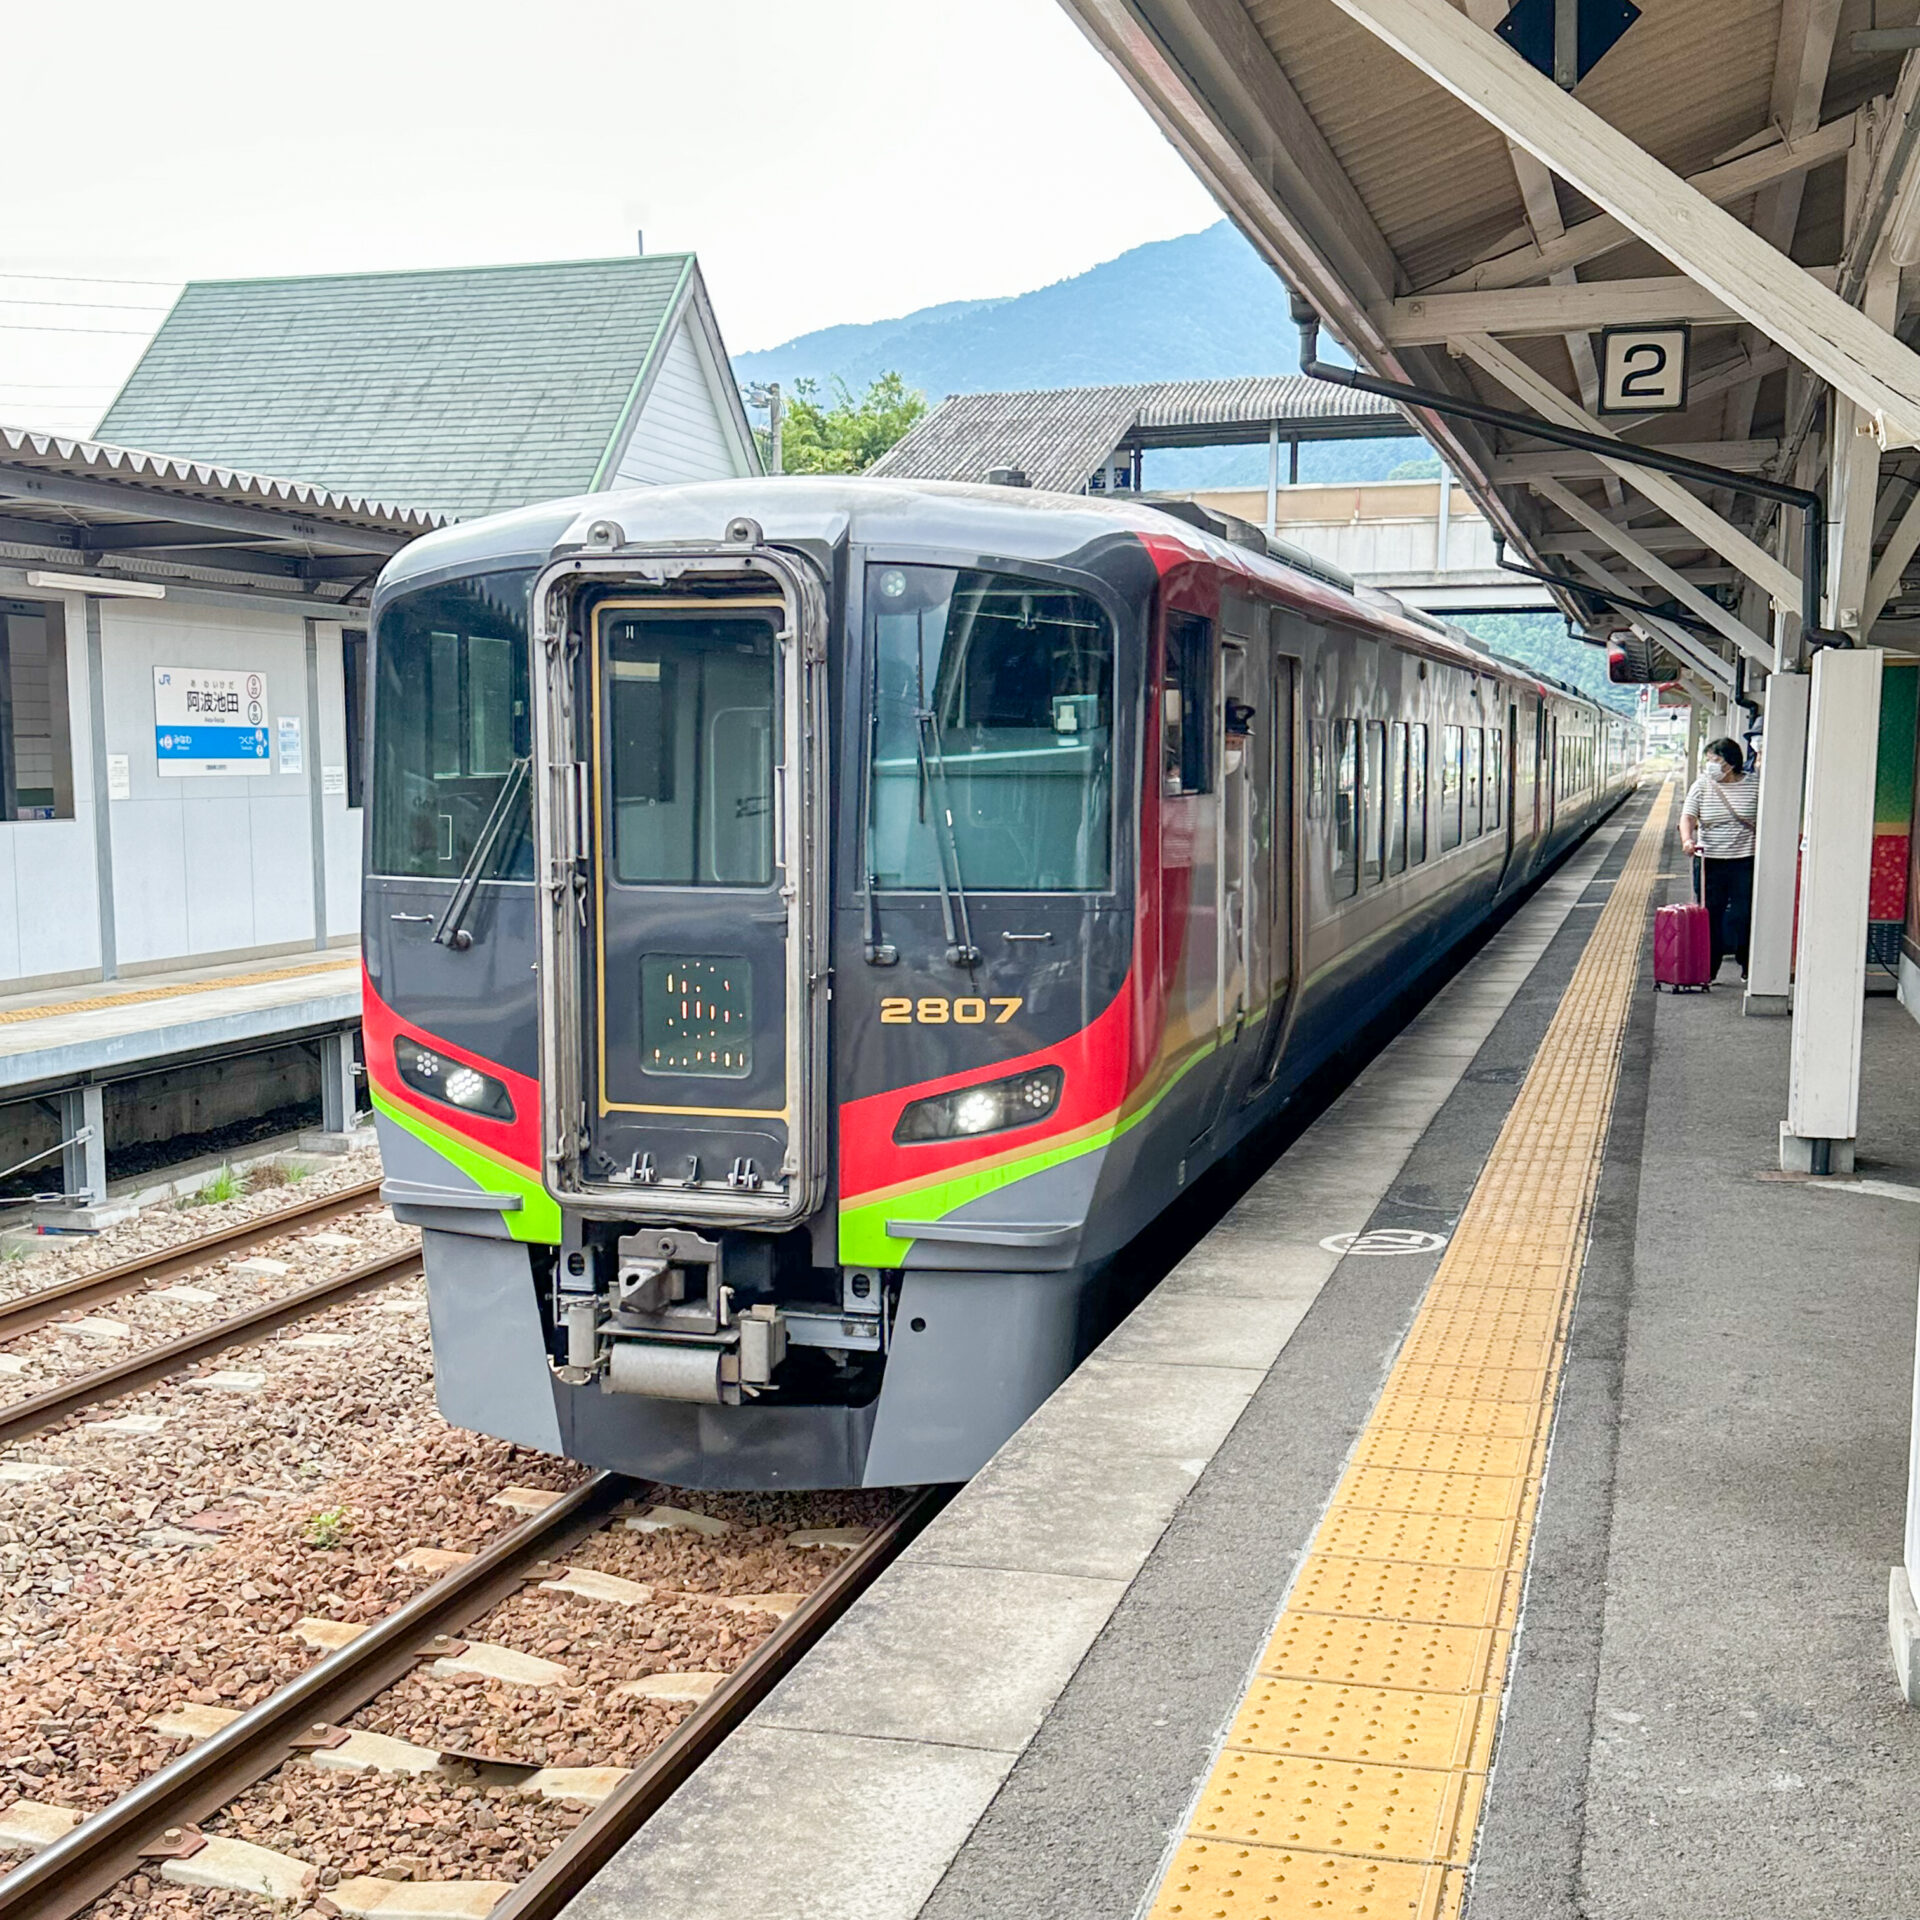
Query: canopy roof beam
point(1700, 605)
point(1783, 160)
point(1666, 493)
point(1833, 340)
point(1428, 319)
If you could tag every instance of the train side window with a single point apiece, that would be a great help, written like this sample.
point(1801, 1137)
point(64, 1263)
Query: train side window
point(1417, 793)
point(1496, 779)
point(1186, 705)
point(1452, 753)
point(1470, 796)
point(1397, 797)
point(1346, 804)
point(1374, 819)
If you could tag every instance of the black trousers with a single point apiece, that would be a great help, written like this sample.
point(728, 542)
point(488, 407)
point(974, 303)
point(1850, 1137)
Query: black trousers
point(1727, 890)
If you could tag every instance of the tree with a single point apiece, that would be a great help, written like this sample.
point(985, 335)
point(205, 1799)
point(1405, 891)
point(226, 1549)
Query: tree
point(847, 435)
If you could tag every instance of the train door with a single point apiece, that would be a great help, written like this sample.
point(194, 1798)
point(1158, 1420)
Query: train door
point(1274, 907)
point(1238, 753)
point(681, 804)
point(1542, 801)
point(1233, 749)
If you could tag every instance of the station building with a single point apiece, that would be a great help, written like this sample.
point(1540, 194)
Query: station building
point(183, 645)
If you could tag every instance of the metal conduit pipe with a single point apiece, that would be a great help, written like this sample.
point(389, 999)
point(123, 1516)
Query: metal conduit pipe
point(1813, 510)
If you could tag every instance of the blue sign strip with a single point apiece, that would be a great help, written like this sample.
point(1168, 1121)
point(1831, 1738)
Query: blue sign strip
point(211, 743)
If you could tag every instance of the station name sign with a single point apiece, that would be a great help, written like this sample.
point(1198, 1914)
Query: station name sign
point(210, 720)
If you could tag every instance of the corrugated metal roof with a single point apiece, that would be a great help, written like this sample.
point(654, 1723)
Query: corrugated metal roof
point(147, 474)
point(1057, 437)
point(462, 391)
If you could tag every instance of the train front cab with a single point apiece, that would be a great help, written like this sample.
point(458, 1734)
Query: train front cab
point(604, 1059)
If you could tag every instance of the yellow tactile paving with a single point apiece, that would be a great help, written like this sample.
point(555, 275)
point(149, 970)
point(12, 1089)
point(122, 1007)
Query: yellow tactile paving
point(1393, 1590)
point(137, 996)
point(1351, 1779)
point(1327, 1720)
point(1213, 1880)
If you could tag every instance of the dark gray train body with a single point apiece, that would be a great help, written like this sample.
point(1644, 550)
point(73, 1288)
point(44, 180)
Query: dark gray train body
point(812, 926)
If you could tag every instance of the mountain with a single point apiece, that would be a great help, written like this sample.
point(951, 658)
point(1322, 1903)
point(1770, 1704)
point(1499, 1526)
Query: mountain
point(1204, 306)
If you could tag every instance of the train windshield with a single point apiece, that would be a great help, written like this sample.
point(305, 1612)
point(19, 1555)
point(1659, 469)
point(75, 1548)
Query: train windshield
point(992, 710)
point(451, 723)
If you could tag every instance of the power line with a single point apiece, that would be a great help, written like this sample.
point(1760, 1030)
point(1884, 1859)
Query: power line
point(119, 333)
point(87, 279)
point(85, 306)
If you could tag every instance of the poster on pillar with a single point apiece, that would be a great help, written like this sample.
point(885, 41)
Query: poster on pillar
point(210, 720)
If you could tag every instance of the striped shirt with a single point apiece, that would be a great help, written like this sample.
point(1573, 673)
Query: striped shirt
point(1725, 811)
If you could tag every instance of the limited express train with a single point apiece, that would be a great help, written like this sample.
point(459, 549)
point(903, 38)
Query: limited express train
point(812, 926)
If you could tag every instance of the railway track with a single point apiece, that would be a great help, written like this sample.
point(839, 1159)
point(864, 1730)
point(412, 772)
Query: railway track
point(155, 1822)
point(88, 1290)
point(57, 1403)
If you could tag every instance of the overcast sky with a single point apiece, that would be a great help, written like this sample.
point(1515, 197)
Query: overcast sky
point(829, 160)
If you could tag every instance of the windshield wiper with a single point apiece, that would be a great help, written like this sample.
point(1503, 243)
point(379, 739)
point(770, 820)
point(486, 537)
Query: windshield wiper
point(961, 952)
point(450, 932)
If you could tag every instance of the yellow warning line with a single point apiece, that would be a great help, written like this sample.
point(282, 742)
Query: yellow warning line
point(17, 1016)
point(1351, 1779)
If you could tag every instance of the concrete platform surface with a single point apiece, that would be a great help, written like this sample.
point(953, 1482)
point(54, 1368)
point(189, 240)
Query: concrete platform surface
point(1015, 1718)
point(122, 1027)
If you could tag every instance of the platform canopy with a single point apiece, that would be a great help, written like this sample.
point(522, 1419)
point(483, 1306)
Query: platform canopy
point(1060, 437)
point(113, 516)
point(1742, 169)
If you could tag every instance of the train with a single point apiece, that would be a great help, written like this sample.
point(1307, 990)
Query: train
point(814, 925)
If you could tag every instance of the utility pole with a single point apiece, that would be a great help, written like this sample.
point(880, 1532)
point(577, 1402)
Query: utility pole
point(768, 396)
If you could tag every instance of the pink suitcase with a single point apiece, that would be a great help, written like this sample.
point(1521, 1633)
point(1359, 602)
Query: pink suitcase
point(1681, 949)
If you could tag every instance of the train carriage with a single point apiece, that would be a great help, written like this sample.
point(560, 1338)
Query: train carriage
point(813, 926)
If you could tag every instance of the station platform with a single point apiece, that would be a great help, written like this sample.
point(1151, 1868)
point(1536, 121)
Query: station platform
point(121, 1027)
point(69, 1044)
point(1525, 1556)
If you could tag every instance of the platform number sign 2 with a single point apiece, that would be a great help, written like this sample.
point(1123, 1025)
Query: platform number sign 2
point(1644, 369)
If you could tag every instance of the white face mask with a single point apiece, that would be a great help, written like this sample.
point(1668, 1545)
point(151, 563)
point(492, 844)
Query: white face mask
point(1716, 767)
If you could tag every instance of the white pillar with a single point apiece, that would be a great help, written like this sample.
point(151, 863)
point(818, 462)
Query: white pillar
point(1823, 1095)
point(1444, 529)
point(1903, 1616)
point(1776, 862)
point(1273, 478)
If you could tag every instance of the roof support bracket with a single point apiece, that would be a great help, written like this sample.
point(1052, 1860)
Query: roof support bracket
point(1626, 458)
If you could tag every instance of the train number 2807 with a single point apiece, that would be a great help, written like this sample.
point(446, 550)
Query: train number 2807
point(936, 1010)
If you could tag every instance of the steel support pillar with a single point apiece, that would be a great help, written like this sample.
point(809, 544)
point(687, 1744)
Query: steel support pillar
point(1776, 861)
point(1273, 477)
point(83, 1160)
point(1823, 1095)
point(337, 1107)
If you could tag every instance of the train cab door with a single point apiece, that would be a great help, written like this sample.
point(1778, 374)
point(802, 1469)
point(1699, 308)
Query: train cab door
point(687, 1065)
point(1271, 902)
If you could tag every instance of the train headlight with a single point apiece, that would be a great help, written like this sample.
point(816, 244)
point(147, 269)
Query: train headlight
point(991, 1107)
point(450, 1081)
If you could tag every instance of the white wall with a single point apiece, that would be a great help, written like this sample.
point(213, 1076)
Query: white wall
point(342, 824)
point(206, 864)
point(49, 896)
point(680, 434)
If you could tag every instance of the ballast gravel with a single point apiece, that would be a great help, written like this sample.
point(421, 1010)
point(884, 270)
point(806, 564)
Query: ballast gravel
point(64, 1350)
point(159, 1229)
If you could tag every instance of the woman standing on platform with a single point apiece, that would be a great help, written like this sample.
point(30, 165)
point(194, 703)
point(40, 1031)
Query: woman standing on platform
point(1716, 824)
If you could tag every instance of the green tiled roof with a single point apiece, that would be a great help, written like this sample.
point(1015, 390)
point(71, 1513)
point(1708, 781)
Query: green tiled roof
point(464, 391)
